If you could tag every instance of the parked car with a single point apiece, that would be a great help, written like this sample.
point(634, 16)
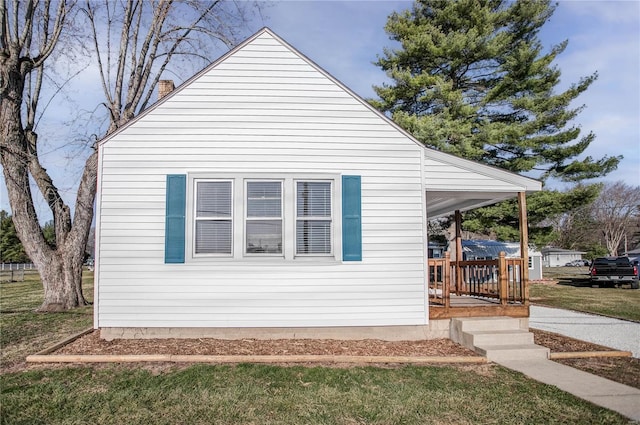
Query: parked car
point(577, 263)
point(609, 271)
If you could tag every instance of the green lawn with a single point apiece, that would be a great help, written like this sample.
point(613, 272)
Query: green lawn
point(259, 394)
point(574, 292)
point(254, 394)
point(23, 331)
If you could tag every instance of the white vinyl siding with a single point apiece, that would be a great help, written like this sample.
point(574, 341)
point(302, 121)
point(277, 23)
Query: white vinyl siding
point(264, 113)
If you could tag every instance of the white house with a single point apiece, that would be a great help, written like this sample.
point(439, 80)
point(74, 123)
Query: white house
point(488, 250)
point(558, 257)
point(262, 194)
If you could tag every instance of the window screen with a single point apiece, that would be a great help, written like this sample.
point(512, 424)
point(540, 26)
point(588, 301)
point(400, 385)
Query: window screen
point(313, 217)
point(213, 223)
point(264, 217)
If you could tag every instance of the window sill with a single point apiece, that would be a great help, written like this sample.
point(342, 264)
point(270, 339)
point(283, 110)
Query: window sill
point(324, 259)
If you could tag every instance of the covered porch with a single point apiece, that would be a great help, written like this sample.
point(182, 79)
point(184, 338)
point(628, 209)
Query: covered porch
point(478, 288)
point(474, 288)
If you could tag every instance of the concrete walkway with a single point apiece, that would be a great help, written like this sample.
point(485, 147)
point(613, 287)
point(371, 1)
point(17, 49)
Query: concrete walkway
point(619, 334)
point(603, 392)
point(614, 333)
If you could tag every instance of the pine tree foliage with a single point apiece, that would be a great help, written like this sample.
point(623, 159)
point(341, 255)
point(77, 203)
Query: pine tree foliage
point(472, 78)
point(11, 250)
point(502, 218)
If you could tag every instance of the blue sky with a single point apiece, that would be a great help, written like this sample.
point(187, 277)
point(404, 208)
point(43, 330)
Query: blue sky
point(604, 36)
point(345, 37)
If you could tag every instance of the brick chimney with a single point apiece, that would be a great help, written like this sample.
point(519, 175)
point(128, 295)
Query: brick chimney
point(164, 88)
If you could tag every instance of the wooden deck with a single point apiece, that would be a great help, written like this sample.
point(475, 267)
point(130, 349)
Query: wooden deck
point(470, 306)
point(478, 288)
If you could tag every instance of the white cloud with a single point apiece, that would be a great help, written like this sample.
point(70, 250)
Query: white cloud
point(608, 11)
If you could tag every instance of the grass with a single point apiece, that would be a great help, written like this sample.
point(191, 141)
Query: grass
point(23, 331)
point(259, 394)
point(574, 292)
point(255, 394)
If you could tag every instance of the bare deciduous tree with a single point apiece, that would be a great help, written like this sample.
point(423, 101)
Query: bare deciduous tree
point(134, 42)
point(614, 210)
point(29, 34)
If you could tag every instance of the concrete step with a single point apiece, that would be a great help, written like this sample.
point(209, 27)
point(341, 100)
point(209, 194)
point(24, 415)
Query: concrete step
point(470, 324)
point(497, 353)
point(494, 338)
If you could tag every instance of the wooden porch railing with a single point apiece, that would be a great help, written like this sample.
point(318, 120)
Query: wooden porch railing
point(440, 280)
point(500, 279)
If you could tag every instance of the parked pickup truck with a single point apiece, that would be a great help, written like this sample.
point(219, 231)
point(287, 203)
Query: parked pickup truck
point(608, 271)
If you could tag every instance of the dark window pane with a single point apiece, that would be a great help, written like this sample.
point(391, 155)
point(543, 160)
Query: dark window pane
point(264, 236)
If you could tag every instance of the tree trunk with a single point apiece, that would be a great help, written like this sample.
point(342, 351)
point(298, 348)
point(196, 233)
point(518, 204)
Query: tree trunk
point(62, 283)
point(60, 268)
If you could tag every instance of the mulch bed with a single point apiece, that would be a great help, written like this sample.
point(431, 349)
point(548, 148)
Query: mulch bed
point(92, 344)
point(562, 344)
point(625, 370)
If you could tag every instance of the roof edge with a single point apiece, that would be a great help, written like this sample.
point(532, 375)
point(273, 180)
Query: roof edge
point(185, 83)
point(529, 184)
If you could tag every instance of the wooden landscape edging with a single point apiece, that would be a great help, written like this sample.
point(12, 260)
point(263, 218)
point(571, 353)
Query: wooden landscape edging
point(588, 354)
point(64, 342)
point(129, 358)
point(200, 358)
point(45, 356)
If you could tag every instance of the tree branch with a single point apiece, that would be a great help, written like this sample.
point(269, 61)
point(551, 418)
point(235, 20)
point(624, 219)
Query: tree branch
point(52, 42)
point(103, 79)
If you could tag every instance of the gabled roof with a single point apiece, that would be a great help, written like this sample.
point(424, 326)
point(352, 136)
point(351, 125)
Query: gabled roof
point(452, 183)
point(490, 248)
point(239, 47)
point(553, 250)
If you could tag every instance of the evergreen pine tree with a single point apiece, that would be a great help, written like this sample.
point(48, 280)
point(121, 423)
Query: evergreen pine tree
point(471, 78)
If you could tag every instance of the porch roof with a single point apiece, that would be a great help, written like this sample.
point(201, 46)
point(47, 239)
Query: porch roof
point(454, 183)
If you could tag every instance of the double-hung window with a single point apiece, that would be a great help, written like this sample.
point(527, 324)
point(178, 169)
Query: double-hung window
point(263, 220)
point(313, 218)
point(214, 217)
point(266, 215)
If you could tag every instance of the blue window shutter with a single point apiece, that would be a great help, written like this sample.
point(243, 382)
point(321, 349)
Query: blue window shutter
point(174, 239)
point(351, 219)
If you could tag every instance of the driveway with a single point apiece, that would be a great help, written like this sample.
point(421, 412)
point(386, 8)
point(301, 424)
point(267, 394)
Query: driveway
point(614, 333)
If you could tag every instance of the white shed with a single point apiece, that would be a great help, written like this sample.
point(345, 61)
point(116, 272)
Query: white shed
point(264, 194)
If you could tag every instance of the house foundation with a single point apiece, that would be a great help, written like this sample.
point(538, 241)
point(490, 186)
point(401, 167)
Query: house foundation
point(433, 330)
